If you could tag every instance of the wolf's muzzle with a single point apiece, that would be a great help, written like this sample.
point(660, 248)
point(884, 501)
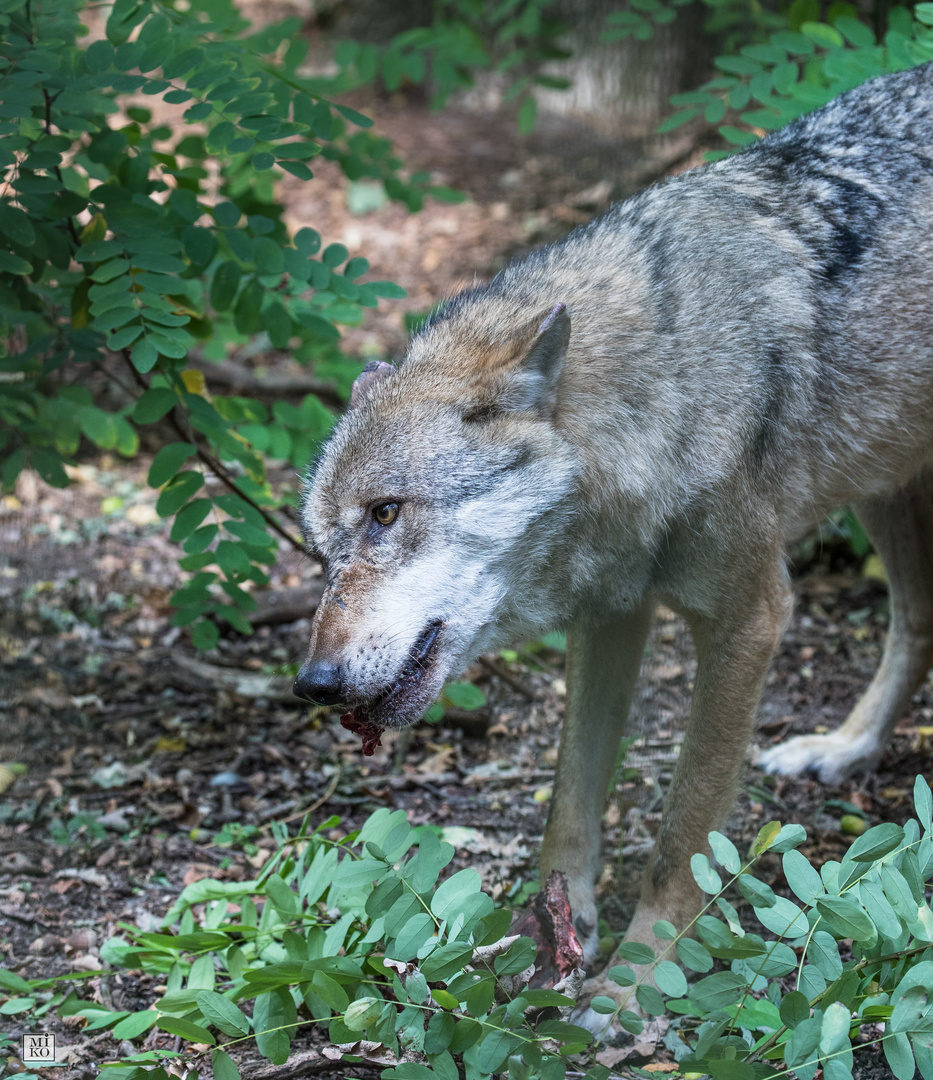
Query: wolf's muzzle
point(319, 683)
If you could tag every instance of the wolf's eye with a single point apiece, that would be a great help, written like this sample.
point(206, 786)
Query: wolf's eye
point(386, 514)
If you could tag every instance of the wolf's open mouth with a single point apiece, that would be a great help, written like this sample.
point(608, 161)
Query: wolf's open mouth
point(368, 720)
point(419, 659)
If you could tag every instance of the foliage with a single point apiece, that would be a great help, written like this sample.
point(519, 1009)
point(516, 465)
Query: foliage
point(136, 237)
point(512, 38)
point(790, 63)
point(355, 935)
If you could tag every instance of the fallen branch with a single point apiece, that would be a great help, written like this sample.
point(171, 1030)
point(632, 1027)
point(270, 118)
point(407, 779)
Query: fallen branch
point(237, 376)
point(189, 674)
point(277, 606)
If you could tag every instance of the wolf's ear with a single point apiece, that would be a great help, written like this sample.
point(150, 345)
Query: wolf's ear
point(374, 372)
point(532, 381)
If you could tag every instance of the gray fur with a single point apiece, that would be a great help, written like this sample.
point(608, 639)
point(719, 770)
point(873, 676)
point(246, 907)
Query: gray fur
point(649, 410)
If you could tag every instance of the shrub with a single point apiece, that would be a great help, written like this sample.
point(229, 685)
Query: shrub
point(132, 235)
point(355, 935)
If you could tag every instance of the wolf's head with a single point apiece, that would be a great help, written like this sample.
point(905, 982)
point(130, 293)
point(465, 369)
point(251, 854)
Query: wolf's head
point(439, 498)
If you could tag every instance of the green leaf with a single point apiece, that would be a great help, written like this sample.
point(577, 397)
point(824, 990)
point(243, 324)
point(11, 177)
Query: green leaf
point(9, 980)
point(795, 1008)
point(439, 1033)
point(923, 801)
point(801, 876)
point(494, 1049)
point(635, 952)
point(463, 695)
point(14, 264)
point(790, 836)
point(268, 256)
point(224, 285)
point(650, 1000)
point(48, 464)
point(755, 892)
point(413, 935)
point(269, 1020)
point(445, 962)
point(527, 114)
point(222, 1012)
point(248, 309)
point(823, 953)
point(387, 289)
point(307, 241)
point(144, 356)
point(15, 224)
point(704, 875)
point(168, 461)
point(278, 323)
point(194, 1033)
point(334, 255)
point(223, 1066)
point(231, 557)
point(717, 991)
point(451, 894)
point(876, 843)
point(189, 518)
point(153, 405)
point(834, 1030)
point(844, 918)
point(519, 956)
point(783, 918)
point(899, 1055)
point(826, 36)
point(122, 338)
point(99, 426)
point(670, 979)
point(177, 491)
point(330, 991)
point(132, 1026)
point(204, 634)
point(694, 956)
point(621, 975)
point(725, 851)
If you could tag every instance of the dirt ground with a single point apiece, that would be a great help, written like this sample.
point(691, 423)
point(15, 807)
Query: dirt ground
point(142, 774)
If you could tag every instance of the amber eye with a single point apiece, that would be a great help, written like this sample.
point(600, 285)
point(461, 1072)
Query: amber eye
point(386, 514)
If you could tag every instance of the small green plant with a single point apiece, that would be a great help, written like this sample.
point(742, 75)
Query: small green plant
point(356, 936)
point(235, 835)
point(456, 695)
point(78, 829)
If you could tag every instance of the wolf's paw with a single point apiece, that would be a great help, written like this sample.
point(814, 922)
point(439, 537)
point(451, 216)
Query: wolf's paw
point(831, 758)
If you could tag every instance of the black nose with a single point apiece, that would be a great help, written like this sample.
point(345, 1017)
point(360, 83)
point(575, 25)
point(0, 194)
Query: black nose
point(319, 683)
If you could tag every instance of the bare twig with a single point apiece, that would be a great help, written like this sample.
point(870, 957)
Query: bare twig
point(500, 670)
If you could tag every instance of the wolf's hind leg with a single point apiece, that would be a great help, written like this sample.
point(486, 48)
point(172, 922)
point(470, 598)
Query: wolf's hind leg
point(901, 527)
point(602, 665)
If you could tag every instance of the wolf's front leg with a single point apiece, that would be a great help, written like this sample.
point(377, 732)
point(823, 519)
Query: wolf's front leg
point(602, 665)
point(733, 653)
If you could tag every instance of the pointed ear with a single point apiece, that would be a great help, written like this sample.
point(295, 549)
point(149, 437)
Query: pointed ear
point(532, 382)
point(374, 372)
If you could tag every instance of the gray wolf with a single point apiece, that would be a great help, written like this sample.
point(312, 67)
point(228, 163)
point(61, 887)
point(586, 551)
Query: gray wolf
point(648, 411)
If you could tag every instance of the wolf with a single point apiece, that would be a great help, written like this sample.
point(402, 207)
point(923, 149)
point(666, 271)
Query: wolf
point(647, 412)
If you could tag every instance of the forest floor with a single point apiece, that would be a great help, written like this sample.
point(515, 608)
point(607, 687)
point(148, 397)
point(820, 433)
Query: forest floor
point(144, 772)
